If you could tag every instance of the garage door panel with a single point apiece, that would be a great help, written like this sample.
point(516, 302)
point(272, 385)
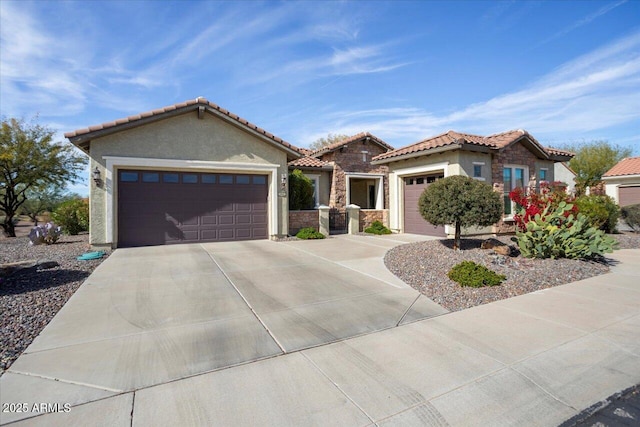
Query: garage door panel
point(413, 221)
point(629, 195)
point(194, 209)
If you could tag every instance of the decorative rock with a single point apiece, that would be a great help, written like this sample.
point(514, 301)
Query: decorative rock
point(47, 264)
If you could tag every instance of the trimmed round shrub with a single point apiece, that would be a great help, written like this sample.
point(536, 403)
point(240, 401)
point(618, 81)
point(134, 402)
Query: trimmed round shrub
point(377, 228)
point(309, 233)
point(631, 215)
point(468, 273)
point(602, 212)
point(72, 216)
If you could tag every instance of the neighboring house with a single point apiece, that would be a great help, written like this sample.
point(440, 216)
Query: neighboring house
point(506, 160)
point(211, 175)
point(343, 174)
point(563, 173)
point(622, 182)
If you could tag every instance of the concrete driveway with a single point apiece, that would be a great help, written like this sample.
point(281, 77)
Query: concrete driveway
point(153, 315)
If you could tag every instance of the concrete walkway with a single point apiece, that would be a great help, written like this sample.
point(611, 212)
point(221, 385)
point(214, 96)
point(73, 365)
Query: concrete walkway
point(537, 359)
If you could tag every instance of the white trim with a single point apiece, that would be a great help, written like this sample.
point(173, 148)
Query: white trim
point(479, 163)
point(396, 184)
point(379, 185)
point(115, 162)
point(315, 177)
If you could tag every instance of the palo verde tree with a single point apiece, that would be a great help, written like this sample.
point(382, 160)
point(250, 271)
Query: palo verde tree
point(460, 201)
point(30, 160)
point(592, 160)
point(41, 200)
point(330, 139)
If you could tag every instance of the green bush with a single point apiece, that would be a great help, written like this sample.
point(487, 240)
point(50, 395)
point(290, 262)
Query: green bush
point(300, 191)
point(468, 273)
point(309, 233)
point(631, 215)
point(602, 212)
point(551, 234)
point(377, 228)
point(72, 216)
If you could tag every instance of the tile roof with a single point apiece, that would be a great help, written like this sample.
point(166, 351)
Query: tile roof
point(338, 144)
point(628, 166)
point(454, 140)
point(310, 162)
point(86, 133)
point(559, 152)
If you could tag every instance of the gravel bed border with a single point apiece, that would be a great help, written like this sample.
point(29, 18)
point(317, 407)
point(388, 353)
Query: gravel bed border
point(424, 266)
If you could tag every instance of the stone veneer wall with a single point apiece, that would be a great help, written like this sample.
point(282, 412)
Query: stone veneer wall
point(516, 154)
point(302, 219)
point(350, 160)
point(368, 216)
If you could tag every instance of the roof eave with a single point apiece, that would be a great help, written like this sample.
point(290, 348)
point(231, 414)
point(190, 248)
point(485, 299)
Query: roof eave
point(84, 141)
point(612, 177)
point(415, 154)
point(312, 168)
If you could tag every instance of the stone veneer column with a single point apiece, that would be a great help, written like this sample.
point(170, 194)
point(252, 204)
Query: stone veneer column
point(353, 218)
point(323, 219)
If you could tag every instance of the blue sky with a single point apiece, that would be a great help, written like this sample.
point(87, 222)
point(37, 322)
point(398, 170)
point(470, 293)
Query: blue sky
point(565, 71)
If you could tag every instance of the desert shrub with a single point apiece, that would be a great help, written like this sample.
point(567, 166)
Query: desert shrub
point(468, 273)
point(558, 234)
point(300, 191)
point(631, 215)
point(309, 233)
point(602, 212)
point(461, 201)
point(530, 204)
point(45, 234)
point(73, 216)
point(377, 228)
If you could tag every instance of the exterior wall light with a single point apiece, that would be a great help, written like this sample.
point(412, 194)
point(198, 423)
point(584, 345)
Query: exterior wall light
point(97, 178)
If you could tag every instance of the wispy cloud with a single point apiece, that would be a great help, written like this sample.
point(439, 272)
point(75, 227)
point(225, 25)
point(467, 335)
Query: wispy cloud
point(593, 92)
point(584, 21)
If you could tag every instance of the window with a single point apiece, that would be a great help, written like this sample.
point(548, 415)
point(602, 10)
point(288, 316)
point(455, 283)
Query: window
point(226, 179)
point(208, 178)
point(259, 179)
point(189, 178)
point(408, 181)
point(477, 171)
point(128, 176)
point(171, 178)
point(242, 179)
point(543, 175)
point(513, 177)
point(419, 180)
point(150, 177)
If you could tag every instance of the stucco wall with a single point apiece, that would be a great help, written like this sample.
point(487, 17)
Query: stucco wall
point(446, 162)
point(183, 137)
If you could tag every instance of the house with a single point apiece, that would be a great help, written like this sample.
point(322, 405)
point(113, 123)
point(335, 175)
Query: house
point(505, 160)
point(195, 172)
point(343, 175)
point(622, 182)
point(189, 172)
point(563, 173)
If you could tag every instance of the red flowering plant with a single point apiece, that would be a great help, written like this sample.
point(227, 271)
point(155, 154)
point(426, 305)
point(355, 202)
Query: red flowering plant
point(531, 203)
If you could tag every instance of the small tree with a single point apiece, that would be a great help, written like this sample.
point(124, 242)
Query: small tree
point(300, 191)
point(592, 160)
point(41, 200)
point(28, 160)
point(461, 201)
point(330, 139)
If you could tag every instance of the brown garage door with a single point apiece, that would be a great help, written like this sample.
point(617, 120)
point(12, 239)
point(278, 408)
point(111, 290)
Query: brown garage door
point(413, 221)
point(629, 195)
point(165, 207)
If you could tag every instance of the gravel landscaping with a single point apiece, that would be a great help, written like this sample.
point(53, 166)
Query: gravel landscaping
point(425, 265)
point(29, 298)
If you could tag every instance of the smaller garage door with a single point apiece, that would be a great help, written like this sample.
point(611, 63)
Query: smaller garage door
point(629, 195)
point(158, 207)
point(413, 221)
